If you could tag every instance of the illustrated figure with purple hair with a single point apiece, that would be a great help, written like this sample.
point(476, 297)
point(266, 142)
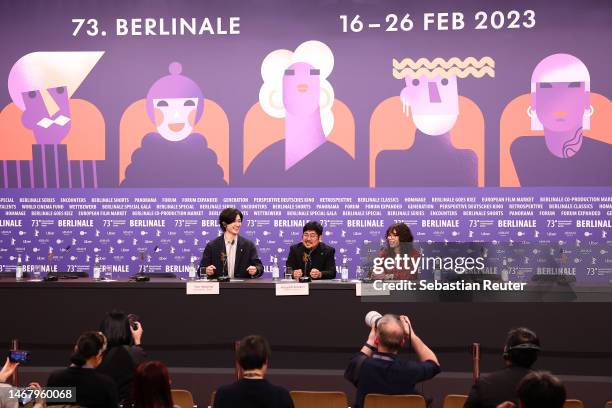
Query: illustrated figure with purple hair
point(560, 106)
point(174, 156)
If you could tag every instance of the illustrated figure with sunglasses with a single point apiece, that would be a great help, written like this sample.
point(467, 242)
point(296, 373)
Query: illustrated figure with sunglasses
point(311, 257)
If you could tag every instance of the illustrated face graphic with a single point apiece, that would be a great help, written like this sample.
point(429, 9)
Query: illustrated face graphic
point(434, 103)
point(47, 114)
point(310, 239)
point(175, 117)
point(301, 89)
point(560, 106)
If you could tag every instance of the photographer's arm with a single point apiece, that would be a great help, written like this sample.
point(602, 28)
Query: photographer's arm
point(352, 371)
point(423, 352)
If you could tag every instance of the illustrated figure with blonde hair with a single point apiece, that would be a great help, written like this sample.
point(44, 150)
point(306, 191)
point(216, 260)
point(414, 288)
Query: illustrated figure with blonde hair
point(439, 141)
point(295, 88)
point(174, 156)
point(561, 107)
point(48, 138)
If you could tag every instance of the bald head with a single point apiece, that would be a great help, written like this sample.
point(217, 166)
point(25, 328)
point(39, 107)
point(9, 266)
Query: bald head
point(390, 333)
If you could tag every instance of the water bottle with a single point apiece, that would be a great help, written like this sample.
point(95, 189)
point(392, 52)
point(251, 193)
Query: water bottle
point(19, 269)
point(97, 269)
point(344, 269)
point(192, 268)
point(359, 272)
point(275, 269)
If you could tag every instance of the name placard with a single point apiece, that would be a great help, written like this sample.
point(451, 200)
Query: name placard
point(292, 289)
point(367, 289)
point(202, 288)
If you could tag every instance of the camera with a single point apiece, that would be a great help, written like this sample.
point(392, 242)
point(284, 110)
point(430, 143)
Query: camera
point(134, 319)
point(372, 318)
point(19, 356)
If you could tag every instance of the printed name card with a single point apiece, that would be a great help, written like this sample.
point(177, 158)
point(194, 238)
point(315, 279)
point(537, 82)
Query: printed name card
point(368, 289)
point(292, 289)
point(202, 288)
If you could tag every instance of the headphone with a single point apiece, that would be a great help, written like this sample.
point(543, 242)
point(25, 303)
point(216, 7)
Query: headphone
point(522, 346)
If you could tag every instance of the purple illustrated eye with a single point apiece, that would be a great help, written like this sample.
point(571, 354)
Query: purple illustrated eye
point(188, 103)
point(162, 104)
point(415, 82)
point(315, 72)
point(32, 94)
point(444, 81)
point(290, 72)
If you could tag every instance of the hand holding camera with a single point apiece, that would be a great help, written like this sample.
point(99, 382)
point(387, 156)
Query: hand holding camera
point(8, 369)
point(136, 329)
point(407, 326)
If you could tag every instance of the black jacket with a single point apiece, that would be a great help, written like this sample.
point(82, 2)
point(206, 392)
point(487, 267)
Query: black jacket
point(494, 388)
point(321, 258)
point(246, 255)
point(92, 388)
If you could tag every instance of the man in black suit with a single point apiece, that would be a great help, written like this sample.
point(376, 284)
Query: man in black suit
point(230, 254)
point(520, 352)
point(311, 257)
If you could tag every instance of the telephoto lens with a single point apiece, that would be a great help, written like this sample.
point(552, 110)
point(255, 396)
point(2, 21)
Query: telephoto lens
point(372, 318)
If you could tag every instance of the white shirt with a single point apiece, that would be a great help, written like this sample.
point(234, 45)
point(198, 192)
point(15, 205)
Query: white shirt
point(230, 251)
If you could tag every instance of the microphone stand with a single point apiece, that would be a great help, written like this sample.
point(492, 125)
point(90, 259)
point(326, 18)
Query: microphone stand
point(367, 278)
point(141, 276)
point(307, 262)
point(224, 277)
point(51, 276)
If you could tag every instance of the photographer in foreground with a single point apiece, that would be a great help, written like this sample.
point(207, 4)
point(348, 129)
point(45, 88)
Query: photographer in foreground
point(376, 368)
point(521, 351)
point(124, 334)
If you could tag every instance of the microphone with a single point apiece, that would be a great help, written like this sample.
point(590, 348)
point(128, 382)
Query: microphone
point(53, 276)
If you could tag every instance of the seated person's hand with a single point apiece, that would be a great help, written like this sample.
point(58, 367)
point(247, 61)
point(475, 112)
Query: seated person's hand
point(297, 274)
point(252, 270)
point(315, 273)
point(210, 270)
point(40, 401)
point(506, 404)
